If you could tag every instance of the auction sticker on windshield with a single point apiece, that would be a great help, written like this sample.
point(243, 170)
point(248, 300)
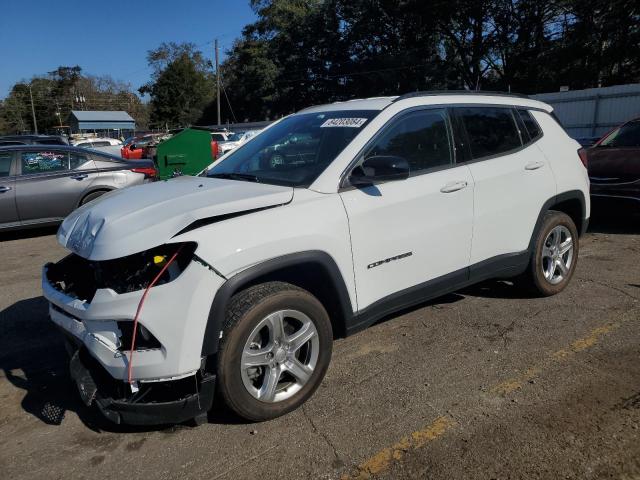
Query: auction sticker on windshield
point(344, 122)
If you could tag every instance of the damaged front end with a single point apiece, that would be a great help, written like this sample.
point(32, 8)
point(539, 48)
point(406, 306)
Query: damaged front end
point(81, 278)
point(94, 303)
point(151, 403)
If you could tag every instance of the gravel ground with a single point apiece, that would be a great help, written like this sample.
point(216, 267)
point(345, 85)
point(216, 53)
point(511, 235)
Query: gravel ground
point(483, 383)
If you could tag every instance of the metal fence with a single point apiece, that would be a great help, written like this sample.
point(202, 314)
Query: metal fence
point(594, 111)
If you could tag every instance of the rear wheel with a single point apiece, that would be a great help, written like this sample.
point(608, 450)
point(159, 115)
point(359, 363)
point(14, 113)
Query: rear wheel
point(555, 254)
point(275, 350)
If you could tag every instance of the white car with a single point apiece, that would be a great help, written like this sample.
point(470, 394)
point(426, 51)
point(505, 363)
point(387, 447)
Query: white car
point(329, 220)
point(103, 144)
point(236, 139)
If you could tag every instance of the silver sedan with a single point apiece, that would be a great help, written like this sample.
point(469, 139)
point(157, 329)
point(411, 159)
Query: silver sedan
point(41, 184)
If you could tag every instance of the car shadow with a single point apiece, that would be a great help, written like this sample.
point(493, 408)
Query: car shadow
point(27, 233)
point(507, 289)
point(614, 218)
point(33, 358)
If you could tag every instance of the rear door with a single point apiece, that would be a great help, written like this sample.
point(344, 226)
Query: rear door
point(8, 210)
point(51, 183)
point(512, 180)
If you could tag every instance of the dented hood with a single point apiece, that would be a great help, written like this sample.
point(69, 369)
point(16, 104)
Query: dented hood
point(132, 220)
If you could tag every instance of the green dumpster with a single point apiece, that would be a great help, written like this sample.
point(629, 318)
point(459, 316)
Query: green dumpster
point(186, 153)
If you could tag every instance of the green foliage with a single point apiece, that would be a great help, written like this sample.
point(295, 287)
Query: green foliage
point(301, 52)
point(181, 87)
point(57, 93)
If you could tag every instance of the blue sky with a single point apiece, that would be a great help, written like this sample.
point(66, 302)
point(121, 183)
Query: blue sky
point(108, 37)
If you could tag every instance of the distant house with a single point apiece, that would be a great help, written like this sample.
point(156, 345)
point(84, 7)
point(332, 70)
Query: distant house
point(110, 123)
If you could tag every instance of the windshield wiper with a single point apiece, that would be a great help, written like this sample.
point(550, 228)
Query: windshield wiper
point(236, 176)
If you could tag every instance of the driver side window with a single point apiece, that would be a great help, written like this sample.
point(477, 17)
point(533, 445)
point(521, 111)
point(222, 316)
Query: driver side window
point(421, 137)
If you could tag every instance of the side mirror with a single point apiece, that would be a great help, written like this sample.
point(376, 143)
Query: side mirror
point(380, 168)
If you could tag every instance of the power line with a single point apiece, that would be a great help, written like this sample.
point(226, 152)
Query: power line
point(235, 120)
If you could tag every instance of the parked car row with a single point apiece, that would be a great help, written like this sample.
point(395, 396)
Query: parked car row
point(103, 144)
point(42, 184)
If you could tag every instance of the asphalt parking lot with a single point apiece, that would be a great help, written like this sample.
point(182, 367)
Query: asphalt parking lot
point(483, 383)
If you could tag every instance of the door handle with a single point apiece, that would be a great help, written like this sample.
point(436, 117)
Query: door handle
point(4, 189)
point(453, 187)
point(534, 165)
point(80, 176)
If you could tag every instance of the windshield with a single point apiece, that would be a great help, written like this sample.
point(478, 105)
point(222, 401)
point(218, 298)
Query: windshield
point(295, 151)
point(628, 135)
point(234, 137)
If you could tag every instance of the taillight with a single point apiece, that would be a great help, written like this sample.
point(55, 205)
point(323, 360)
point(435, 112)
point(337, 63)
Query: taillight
point(149, 172)
point(582, 153)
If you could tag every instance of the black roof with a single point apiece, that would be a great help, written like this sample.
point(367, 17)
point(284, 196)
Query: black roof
point(29, 139)
point(66, 148)
point(428, 93)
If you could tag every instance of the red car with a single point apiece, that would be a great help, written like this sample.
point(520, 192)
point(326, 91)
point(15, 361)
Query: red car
point(614, 164)
point(134, 150)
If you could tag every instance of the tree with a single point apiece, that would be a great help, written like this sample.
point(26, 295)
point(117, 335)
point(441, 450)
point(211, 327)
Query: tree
point(56, 94)
point(181, 87)
point(301, 52)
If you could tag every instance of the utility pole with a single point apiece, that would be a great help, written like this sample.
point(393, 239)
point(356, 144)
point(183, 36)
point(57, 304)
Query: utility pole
point(217, 81)
point(33, 111)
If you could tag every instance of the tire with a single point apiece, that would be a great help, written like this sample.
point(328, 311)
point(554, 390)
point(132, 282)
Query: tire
point(92, 196)
point(545, 275)
point(251, 335)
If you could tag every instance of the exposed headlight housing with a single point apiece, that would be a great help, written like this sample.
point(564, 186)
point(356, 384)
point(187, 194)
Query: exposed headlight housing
point(81, 278)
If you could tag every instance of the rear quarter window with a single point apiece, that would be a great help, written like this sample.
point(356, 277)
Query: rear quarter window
point(490, 130)
point(530, 124)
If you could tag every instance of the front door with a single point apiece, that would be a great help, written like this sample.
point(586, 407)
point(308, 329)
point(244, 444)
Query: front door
point(407, 232)
point(50, 184)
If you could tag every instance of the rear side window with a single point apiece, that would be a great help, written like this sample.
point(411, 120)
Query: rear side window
point(533, 129)
point(491, 130)
point(44, 162)
point(420, 137)
point(217, 137)
point(77, 159)
point(628, 135)
point(5, 163)
point(100, 144)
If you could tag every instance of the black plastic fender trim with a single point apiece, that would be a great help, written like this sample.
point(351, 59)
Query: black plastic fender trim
point(561, 197)
point(235, 283)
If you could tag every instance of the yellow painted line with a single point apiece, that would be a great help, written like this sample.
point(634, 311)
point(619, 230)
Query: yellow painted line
point(383, 460)
point(563, 354)
point(586, 342)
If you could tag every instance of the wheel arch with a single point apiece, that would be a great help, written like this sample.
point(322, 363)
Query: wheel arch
point(93, 190)
point(572, 203)
point(314, 271)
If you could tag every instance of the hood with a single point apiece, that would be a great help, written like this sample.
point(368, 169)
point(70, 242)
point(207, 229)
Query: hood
point(135, 219)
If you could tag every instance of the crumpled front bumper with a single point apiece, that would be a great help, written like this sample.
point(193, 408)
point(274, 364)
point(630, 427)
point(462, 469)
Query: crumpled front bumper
point(171, 383)
point(96, 387)
point(175, 313)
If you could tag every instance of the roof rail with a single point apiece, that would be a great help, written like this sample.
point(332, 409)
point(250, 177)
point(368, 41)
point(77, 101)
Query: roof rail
point(429, 93)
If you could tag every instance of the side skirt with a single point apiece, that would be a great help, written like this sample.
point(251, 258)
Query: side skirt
point(501, 266)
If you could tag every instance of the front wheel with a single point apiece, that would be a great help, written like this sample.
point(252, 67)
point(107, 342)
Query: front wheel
point(275, 350)
point(555, 254)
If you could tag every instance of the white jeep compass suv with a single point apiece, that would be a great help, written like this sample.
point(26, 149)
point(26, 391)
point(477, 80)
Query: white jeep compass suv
point(237, 281)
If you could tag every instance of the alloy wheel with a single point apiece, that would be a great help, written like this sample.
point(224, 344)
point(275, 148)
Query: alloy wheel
point(557, 254)
point(279, 356)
